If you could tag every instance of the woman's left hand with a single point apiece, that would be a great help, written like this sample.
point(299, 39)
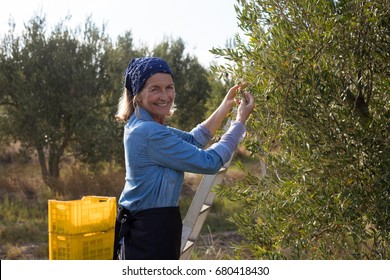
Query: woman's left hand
point(230, 98)
point(213, 122)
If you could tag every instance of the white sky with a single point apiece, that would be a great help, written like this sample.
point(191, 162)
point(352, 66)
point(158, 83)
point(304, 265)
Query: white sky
point(202, 24)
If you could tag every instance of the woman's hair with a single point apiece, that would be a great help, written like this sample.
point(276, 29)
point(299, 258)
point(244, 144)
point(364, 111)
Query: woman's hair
point(126, 106)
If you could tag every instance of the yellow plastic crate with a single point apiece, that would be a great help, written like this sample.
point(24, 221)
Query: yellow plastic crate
point(87, 246)
point(90, 214)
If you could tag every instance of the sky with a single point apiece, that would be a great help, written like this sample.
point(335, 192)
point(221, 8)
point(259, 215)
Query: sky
point(202, 24)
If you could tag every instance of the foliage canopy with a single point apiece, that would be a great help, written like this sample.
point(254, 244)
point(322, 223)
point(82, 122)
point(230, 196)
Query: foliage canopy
point(321, 129)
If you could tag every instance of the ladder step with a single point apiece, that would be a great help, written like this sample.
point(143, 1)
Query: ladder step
point(205, 207)
point(188, 245)
point(223, 169)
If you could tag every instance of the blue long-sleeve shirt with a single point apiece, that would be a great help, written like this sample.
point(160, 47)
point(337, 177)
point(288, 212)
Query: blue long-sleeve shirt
point(156, 157)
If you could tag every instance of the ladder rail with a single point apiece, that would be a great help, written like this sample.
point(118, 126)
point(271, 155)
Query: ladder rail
point(199, 209)
point(203, 199)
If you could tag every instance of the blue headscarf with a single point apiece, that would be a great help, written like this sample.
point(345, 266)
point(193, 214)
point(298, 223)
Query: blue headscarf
point(141, 69)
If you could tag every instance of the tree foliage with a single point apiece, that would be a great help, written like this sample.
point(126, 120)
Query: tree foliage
point(54, 89)
point(321, 128)
point(101, 141)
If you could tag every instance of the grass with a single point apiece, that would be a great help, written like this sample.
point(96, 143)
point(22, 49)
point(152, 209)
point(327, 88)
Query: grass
point(23, 228)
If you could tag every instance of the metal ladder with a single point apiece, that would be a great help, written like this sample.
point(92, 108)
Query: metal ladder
point(199, 209)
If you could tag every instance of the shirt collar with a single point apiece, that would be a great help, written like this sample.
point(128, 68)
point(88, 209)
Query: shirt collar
point(144, 115)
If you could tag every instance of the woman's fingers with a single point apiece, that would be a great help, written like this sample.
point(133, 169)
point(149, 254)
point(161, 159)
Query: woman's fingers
point(232, 92)
point(246, 107)
point(250, 100)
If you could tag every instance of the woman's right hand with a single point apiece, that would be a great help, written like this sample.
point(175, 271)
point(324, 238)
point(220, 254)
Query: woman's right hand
point(245, 108)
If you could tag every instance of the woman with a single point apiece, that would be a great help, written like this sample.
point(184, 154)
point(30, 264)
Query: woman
point(156, 157)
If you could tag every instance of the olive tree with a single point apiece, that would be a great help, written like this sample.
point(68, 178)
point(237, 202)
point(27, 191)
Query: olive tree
point(54, 89)
point(321, 129)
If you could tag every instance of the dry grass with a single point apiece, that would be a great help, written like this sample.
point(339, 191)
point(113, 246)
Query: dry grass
point(221, 246)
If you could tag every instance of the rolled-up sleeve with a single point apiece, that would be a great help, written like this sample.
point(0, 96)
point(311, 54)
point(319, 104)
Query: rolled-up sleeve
point(167, 149)
point(229, 141)
point(199, 136)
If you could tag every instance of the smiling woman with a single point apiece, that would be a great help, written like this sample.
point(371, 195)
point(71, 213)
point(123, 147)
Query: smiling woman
point(156, 156)
point(158, 96)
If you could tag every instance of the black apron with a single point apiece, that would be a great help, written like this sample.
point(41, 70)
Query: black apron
point(152, 234)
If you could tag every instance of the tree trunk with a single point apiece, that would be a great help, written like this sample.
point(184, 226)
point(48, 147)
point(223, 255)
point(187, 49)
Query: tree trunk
point(42, 162)
point(50, 176)
point(54, 164)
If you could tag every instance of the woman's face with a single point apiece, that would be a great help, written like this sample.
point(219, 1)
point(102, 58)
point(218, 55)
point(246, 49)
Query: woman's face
point(157, 96)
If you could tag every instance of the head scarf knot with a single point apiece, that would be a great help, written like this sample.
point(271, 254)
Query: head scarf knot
point(141, 69)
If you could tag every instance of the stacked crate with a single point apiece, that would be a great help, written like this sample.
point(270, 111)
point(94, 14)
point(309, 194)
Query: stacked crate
point(82, 229)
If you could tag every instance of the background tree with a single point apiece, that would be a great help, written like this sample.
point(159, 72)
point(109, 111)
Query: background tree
point(103, 143)
point(320, 131)
point(54, 88)
point(219, 87)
